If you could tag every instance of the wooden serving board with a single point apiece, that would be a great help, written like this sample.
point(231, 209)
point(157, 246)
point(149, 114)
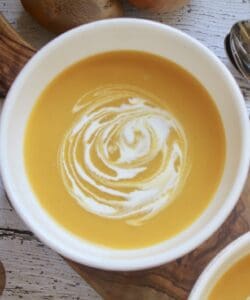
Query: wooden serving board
point(170, 281)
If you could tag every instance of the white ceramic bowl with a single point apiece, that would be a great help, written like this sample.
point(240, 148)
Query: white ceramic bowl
point(117, 34)
point(219, 265)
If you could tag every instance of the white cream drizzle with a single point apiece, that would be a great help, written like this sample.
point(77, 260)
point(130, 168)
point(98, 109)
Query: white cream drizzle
point(126, 121)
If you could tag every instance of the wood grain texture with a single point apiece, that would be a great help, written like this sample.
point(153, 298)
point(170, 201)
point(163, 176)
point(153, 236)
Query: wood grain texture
point(2, 278)
point(33, 271)
point(14, 53)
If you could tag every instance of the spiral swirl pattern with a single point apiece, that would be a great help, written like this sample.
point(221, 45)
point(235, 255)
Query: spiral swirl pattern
point(125, 156)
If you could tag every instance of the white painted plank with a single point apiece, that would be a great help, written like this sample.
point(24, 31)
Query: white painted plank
point(35, 272)
point(8, 216)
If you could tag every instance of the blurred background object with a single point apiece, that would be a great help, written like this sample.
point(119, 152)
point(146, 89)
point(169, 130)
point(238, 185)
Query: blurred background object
point(60, 15)
point(237, 44)
point(159, 5)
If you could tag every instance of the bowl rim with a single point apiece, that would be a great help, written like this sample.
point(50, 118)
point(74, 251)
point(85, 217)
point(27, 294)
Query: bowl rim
point(215, 264)
point(141, 263)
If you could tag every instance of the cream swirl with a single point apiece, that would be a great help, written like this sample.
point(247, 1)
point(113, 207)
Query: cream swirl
point(125, 156)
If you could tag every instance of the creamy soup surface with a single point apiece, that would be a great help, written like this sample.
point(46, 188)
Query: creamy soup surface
point(125, 149)
point(235, 283)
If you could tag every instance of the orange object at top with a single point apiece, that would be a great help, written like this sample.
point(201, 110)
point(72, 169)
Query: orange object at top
point(159, 5)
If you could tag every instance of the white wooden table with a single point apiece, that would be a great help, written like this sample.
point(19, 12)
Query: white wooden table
point(33, 270)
